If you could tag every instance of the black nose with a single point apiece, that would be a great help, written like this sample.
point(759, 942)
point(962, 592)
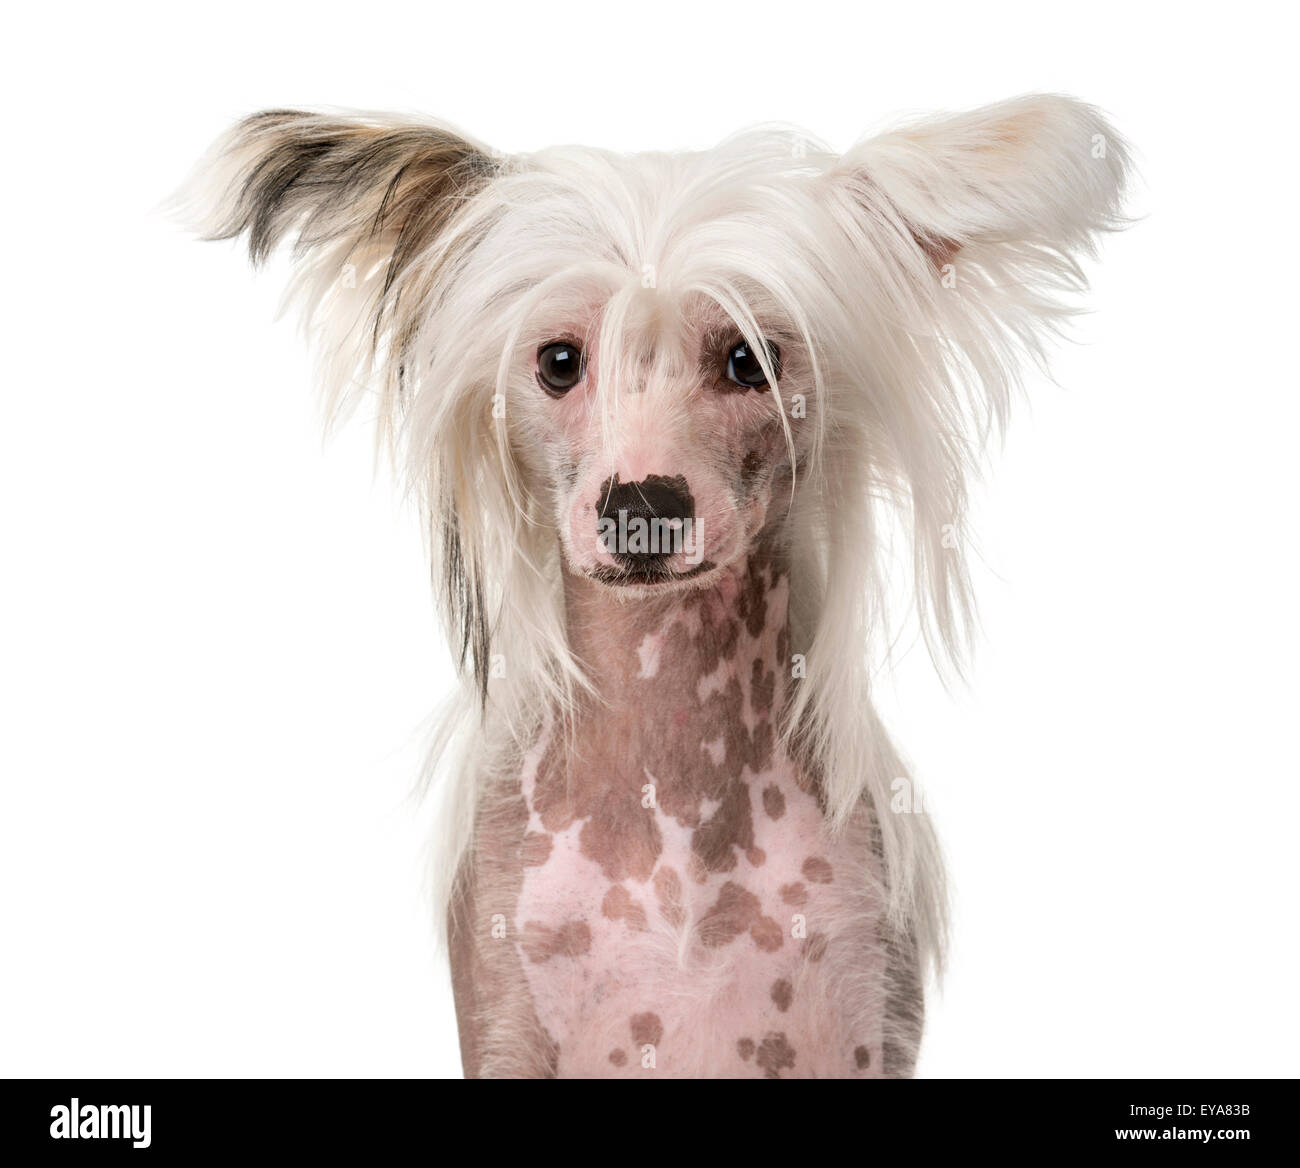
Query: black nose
point(644, 545)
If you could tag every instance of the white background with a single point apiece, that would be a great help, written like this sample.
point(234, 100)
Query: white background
point(218, 646)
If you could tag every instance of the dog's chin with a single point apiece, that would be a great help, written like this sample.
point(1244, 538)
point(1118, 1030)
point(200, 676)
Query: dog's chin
point(636, 582)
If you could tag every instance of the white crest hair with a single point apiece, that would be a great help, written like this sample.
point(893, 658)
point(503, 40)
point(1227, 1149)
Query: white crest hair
point(422, 258)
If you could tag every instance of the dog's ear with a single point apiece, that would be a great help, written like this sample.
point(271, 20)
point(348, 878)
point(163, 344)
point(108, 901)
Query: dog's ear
point(1042, 170)
point(359, 199)
point(368, 207)
point(964, 232)
point(382, 186)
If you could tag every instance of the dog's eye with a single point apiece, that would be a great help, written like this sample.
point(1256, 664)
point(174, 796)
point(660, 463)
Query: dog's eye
point(559, 366)
point(743, 367)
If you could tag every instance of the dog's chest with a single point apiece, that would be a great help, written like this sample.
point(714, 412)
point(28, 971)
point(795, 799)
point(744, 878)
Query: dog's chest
point(662, 966)
point(683, 909)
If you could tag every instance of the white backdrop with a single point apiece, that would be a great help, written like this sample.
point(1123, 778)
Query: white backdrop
point(218, 647)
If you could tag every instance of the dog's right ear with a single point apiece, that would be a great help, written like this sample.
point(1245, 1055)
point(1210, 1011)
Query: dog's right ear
point(370, 208)
point(382, 184)
point(360, 199)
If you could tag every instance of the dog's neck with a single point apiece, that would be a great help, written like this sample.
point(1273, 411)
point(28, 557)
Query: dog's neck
point(686, 710)
point(648, 657)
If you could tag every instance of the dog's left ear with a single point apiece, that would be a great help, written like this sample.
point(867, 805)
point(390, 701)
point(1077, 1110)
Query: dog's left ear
point(968, 229)
point(1042, 170)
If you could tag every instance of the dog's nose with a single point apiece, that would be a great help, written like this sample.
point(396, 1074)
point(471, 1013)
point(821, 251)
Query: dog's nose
point(645, 544)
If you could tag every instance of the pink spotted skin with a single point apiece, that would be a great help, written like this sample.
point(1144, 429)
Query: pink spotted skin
point(668, 900)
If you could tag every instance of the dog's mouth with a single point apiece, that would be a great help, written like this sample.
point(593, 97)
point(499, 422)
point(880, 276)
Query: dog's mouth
point(648, 575)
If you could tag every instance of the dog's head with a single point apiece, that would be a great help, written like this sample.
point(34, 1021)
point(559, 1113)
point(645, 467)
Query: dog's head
point(659, 436)
point(634, 368)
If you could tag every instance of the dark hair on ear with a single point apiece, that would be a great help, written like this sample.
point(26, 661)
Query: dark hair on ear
point(321, 178)
point(362, 204)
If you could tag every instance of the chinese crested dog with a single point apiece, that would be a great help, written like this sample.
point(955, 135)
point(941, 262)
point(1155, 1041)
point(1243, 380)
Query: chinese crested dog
point(662, 412)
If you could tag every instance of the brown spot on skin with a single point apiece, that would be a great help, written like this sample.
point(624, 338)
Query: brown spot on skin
point(604, 792)
point(734, 912)
point(541, 942)
point(767, 934)
point(647, 1028)
point(752, 601)
point(623, 838)
point(783, 994)
point(731, 826)
point(862, 1056)
point(575, 938)
point(745, 1048)
point(756, 857)
point(618, 1057)
point(817, 871)
point(534, 849)
point(668, 892)
point(774, 1054)
point(761, 756)
point(773, 802)
point(795, 894)
point(614, 905)
point(762, 685)
point(814, 948)
point(619, 905)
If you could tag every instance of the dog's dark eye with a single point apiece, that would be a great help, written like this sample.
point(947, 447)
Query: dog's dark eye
point(743, 367)
point(559, 366)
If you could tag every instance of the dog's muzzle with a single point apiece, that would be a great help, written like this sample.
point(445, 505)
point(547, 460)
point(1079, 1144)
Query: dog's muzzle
point(642, 525)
